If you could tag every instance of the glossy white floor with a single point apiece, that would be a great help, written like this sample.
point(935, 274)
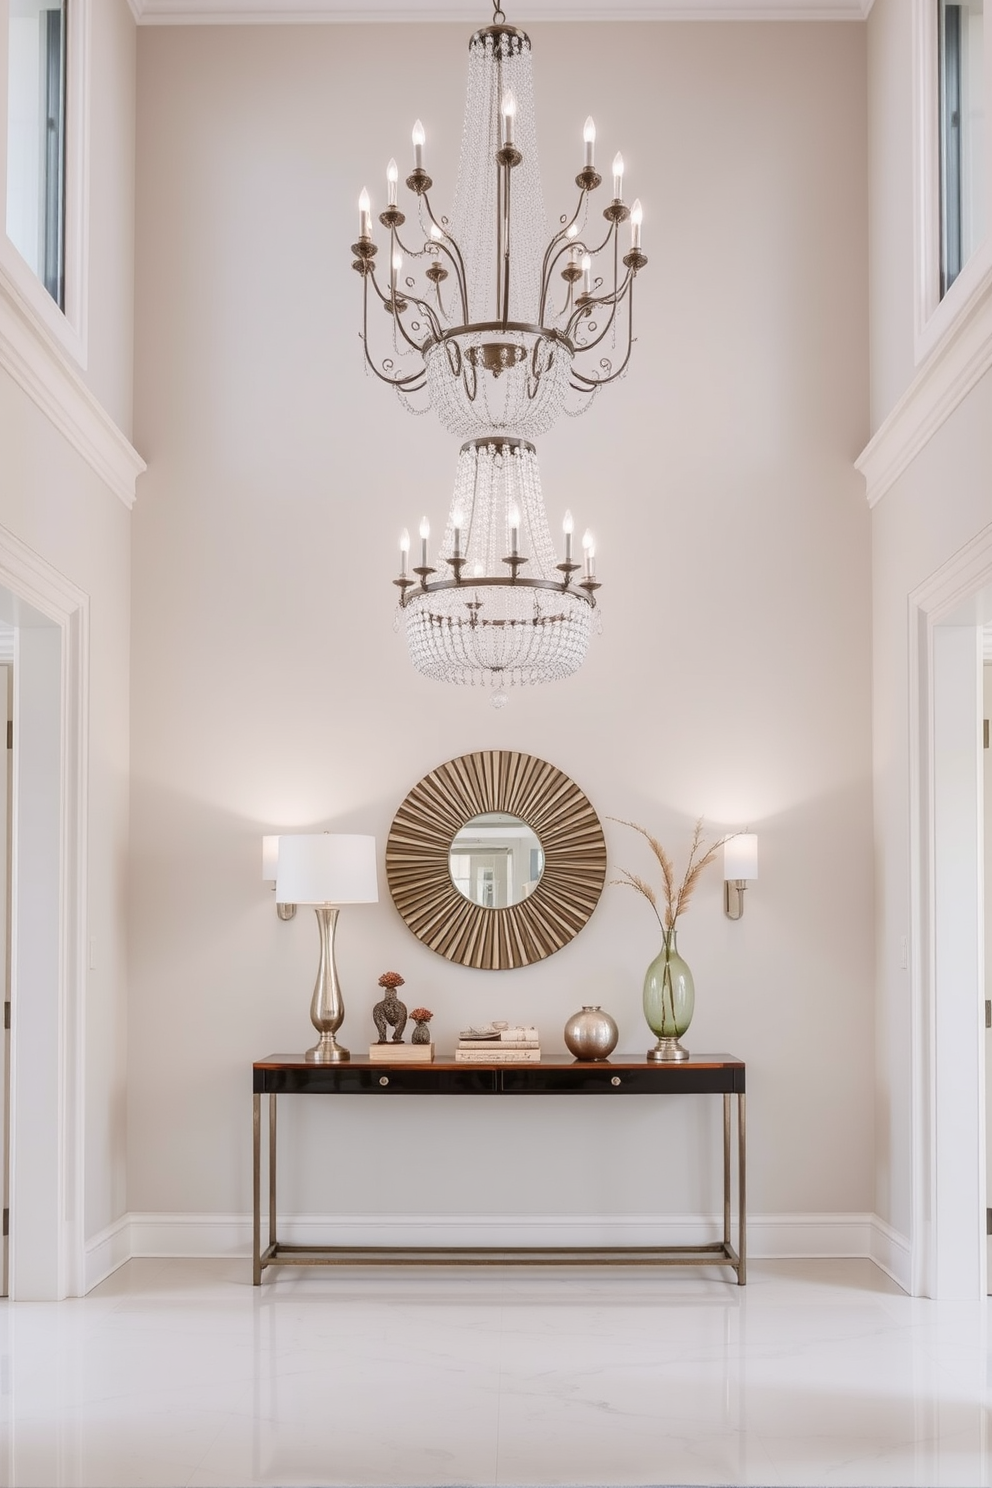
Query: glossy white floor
point(180, 1372)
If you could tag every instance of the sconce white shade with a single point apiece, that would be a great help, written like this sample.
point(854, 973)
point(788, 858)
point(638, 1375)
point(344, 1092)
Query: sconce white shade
point(740, 857)
point(326, 868)
point(270, 859)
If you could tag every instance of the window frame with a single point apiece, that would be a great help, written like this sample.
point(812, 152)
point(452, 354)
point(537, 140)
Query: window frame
point(935, 315)
point(18, 280)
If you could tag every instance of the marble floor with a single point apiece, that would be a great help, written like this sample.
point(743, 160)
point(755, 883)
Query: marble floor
point(180, 1372)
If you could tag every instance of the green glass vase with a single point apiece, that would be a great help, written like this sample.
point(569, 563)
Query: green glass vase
point(669, 1000)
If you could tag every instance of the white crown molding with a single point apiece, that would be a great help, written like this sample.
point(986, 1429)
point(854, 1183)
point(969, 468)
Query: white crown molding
point(38, 364)
point(946, 377)
point(392, 12)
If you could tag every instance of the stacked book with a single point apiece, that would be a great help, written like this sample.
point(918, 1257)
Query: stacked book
point(498, 1046)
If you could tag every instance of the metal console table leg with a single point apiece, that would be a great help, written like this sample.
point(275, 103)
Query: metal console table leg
point(256, 1178)
point(742, 1187)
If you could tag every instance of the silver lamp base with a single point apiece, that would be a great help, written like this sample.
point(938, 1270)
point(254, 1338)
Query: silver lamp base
point(327, 1051)
point(669, 1051)
point(327, 1005)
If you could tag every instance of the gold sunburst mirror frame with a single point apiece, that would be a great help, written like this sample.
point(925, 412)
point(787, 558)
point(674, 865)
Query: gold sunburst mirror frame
point(418, 859)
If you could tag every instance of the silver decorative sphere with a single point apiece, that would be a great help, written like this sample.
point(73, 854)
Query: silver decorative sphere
point(591, 1034)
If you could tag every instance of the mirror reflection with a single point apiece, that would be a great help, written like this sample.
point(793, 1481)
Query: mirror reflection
point(496, 860)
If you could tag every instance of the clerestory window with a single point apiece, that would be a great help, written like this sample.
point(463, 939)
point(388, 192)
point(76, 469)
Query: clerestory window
point(36, 112)
point(961, 54)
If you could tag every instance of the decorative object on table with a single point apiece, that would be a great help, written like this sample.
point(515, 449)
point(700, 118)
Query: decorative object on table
point(591, 1034)
point(390, 1053)
point(572, 863)
point(390, 1012)
point(421, 1033)
point(740, 867)
point(499, 1043)
point(495, 355)
point(326, 869)
point(669, 993)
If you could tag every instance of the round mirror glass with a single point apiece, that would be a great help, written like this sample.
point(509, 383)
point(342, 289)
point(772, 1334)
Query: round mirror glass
point(496, 860)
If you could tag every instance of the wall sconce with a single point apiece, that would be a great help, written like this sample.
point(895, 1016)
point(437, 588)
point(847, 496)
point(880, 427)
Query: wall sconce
point(270, 864)
point(326, 870)
point(740, 866)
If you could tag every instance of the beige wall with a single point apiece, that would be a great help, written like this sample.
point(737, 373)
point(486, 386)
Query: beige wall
point(731, 678)
point(110, 370)
point(891, 202)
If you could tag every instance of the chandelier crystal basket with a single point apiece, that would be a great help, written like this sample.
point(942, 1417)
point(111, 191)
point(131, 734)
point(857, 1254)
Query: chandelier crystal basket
point(501, 329)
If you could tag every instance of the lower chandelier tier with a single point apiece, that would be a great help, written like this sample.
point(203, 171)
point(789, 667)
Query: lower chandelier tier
point(498, 609)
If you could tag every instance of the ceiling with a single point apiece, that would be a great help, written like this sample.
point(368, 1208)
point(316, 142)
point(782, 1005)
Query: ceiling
point(262, 12)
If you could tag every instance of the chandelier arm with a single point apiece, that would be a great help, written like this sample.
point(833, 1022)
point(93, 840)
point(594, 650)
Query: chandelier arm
point(596, 382)
point(607, 300)
point(436, 331)
point(454, 249)
point(595, 252)
point(455, 260)
point(612, 300)
point(439, 586)
point(548, 264)
point(414, 381)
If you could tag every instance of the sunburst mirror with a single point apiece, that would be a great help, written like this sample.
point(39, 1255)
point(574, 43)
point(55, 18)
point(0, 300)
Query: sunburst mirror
point(496, 860)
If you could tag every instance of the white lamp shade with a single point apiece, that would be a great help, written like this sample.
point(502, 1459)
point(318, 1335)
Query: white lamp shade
point(326, 868)
point(740, 857)
point(270, 859)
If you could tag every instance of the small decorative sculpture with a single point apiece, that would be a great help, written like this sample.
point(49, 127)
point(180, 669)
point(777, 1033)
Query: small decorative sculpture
point(421, 1033)
point(390, 1012)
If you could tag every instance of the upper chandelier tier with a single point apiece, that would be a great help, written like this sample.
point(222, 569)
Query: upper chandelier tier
point(500, 328)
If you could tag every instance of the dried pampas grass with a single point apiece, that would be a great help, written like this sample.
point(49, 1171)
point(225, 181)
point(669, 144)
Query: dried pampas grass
point(676, 895)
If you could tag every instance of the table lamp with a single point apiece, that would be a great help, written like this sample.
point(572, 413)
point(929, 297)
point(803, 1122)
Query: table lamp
point(326, 869)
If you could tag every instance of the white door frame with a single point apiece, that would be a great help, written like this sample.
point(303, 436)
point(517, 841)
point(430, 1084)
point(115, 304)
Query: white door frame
point(947, 922)
point(48, 925)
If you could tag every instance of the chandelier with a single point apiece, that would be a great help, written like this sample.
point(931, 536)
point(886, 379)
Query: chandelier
point(500, 329)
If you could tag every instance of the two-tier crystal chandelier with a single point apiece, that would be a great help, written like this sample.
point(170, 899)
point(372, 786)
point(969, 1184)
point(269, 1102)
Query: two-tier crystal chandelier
point(500, 329)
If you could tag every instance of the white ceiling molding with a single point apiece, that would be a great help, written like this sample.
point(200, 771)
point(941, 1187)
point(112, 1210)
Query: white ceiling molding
point(474, 12)
point(36, 362)
point(944, 380)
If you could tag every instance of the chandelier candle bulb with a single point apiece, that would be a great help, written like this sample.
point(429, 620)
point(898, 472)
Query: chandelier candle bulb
point(392, 176)
point(586, 274)
point(508, 110)
point(364, 215)
point(425, 532)
point(617, 176)
point(513, 517)
point(404, 551)
point(418, 138)
point(568, 527)
point(589, 136)
point(589, 550)
point(636, 218)
point(457, 521)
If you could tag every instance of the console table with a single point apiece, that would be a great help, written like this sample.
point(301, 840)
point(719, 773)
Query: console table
point(705, 1074)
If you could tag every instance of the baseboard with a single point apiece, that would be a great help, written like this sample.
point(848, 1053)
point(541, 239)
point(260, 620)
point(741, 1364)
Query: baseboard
point(106, 1251)
point(891, 1252)
point(769, 1236)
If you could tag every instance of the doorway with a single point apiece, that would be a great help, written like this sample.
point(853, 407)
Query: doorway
point(947, 616)
point(49, 619)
